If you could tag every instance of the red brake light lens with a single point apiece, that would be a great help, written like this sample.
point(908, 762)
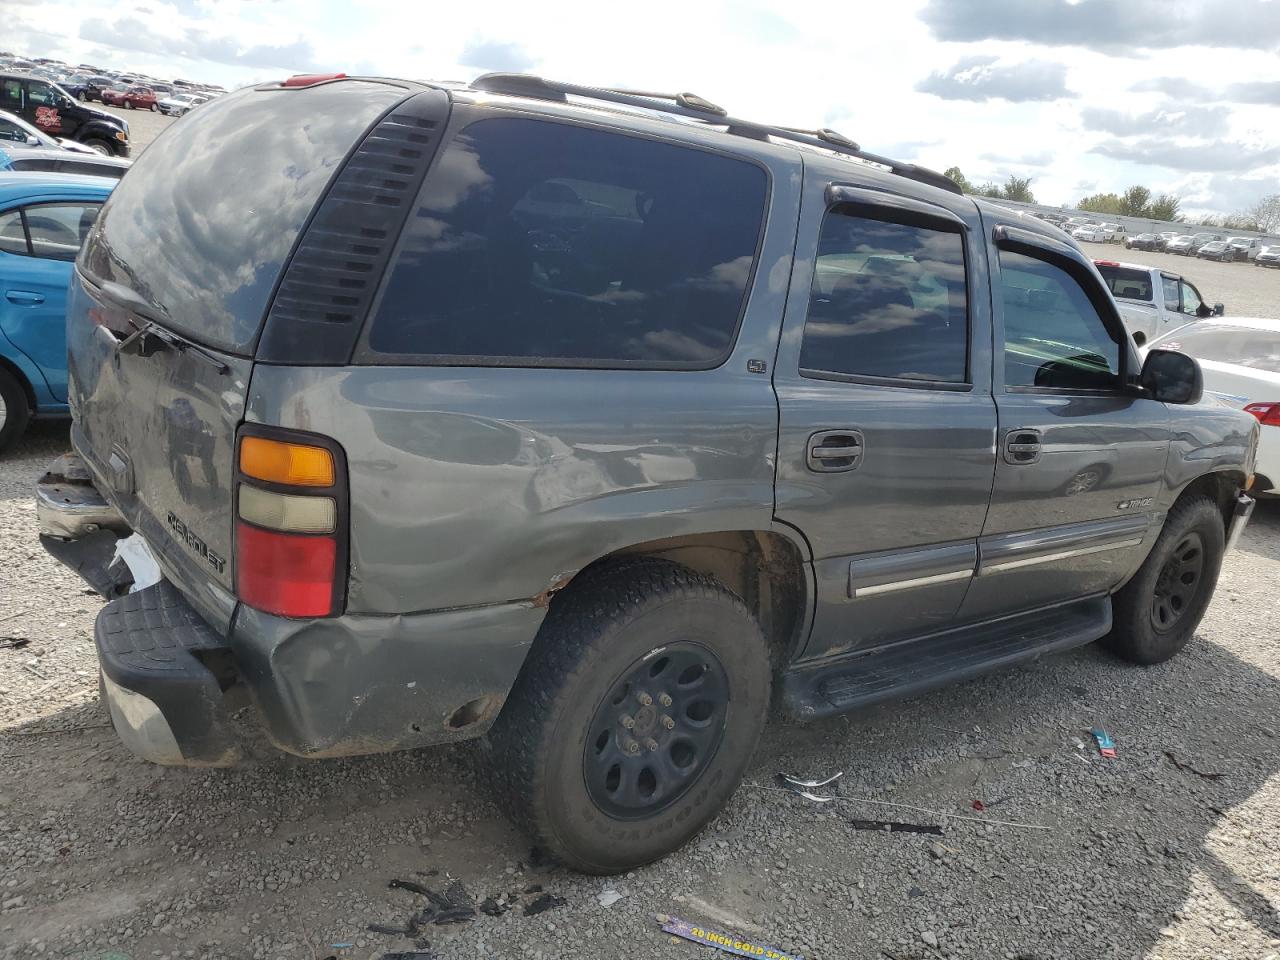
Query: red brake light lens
point(307, 79)
point(284, 573)
point(1267, 413)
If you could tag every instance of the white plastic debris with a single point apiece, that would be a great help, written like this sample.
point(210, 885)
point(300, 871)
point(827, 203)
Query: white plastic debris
point(133, 550)
point(607, 898)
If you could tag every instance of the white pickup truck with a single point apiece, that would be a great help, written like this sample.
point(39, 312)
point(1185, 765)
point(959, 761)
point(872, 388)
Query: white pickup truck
point(1153, 301)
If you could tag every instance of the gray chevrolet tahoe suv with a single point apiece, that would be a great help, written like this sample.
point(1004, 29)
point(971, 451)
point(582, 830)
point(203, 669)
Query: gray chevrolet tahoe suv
point(595, 423)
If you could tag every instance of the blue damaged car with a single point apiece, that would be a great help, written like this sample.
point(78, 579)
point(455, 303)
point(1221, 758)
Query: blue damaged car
point(44, 218)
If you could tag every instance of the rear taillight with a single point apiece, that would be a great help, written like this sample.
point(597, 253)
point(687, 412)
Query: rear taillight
point(291, 523)
point(1267, 413)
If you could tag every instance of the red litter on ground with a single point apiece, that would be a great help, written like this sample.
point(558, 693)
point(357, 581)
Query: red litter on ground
point(979, 805)
point(1106, 746)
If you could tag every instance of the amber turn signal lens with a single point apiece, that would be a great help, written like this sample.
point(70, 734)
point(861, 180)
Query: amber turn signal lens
point(296, 464)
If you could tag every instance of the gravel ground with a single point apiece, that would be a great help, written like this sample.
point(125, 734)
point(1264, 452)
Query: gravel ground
point(107, 857)
point(1245, 290)
point(144, 125)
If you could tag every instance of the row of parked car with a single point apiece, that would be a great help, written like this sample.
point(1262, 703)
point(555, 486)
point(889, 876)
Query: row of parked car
point(1204, 245)
point(87, 83)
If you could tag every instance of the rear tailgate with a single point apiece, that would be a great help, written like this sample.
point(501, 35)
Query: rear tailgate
point(169, 298)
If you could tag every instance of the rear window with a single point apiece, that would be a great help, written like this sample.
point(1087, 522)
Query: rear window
point(543, 243)
point(1130, 284)
point(1244, 346)
point(203, 224)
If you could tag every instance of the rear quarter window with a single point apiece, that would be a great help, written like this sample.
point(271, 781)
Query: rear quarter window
point(210, 211)
point(544, 243)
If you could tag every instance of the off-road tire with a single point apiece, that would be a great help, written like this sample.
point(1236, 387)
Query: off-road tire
point(597, 630)
point(13, 421)
point(1136, 634)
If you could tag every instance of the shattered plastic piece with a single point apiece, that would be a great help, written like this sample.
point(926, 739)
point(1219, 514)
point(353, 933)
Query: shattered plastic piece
point(409, 885)
point(492, 908)
point(458, 896)
point(979, 805)
point(390, 931)
point(893, 826)
point(135, 553)
point(548, 901)
point(1190, 769)
point(14, 643)
point(810, 784)
point(735, 945)
point(1106, 746)
point(607, 898)
point(341, 946)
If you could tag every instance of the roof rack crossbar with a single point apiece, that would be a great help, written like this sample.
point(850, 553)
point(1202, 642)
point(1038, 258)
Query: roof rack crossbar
point(696, 108)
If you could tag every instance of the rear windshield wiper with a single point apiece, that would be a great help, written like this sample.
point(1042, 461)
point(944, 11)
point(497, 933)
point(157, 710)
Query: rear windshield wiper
point(151, 333)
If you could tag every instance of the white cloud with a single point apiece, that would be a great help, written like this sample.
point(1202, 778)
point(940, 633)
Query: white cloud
point(791, 64)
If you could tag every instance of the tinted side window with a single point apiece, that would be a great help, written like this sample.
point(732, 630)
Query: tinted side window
point(1170, 287)
point(58, 229)
point(12, 132)
point(11, 95)
point(539, 242)
point(888, 300)
point(13, 236)
point(1131, 284)
point(1053, 335)
point(1191, 302)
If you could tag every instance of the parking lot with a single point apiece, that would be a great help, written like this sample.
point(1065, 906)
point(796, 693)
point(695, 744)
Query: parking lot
point(1168, 851)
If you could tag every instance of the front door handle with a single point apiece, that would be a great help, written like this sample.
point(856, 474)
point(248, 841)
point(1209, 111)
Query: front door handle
point(1023, 446)
point(833, 451)
point(25, 298)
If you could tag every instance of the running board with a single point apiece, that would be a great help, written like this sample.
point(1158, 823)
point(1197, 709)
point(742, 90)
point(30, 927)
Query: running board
point(829, 687)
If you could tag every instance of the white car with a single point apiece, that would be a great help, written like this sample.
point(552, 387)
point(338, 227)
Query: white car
point(1094, 232)
point(1241, 363)
point(180, 103)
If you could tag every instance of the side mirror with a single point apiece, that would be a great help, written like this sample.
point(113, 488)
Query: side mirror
point(1139, 338)
point(1204, 310)
point(32, 141)
point(1218, 310)
point(1172, 377)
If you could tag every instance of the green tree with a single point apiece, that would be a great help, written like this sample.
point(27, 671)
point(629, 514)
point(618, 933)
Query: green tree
point(953, 173)
point(1136, 202)
point(989, 189)
point(1019, 188)
point(1101, 203)
point(1165, 207)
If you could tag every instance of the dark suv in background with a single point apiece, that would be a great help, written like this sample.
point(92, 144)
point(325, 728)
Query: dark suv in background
point(53, 111)
point(519, 409)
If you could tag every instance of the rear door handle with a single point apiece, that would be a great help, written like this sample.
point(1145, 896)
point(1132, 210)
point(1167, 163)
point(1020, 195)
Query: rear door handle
point(833, 451)
point(1023, 446)
point(24, 297)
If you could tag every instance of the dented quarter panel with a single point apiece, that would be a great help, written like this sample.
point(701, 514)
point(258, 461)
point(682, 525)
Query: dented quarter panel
point(1207, 437)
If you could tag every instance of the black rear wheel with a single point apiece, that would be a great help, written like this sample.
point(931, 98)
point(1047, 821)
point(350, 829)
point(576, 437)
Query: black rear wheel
point(634, 717)
point(1158, 611)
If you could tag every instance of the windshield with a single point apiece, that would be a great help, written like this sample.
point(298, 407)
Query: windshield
point(1219, 343)
point(1127, 283)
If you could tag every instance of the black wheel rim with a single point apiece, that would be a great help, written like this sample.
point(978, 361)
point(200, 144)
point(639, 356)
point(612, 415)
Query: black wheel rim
point(656, 730)
point(1179, 582)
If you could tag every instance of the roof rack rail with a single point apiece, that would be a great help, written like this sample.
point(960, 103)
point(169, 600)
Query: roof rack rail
point(694, 107)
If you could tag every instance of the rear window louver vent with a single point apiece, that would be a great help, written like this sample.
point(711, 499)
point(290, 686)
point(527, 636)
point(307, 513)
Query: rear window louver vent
point(334, 272)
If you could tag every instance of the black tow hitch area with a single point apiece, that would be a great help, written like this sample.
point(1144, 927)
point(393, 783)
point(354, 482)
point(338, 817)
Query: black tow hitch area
point(94, 558)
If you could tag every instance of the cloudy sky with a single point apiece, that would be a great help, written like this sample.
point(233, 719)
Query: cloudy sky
point(1080, 95)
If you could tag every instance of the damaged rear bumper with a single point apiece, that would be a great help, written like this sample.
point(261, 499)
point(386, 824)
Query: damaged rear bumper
point(166, 705)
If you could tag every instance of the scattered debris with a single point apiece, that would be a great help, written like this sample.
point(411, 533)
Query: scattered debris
point(810, 784)
point(914, 892)
point(408, 955)
point(1106, 746)
point(894, 826)
point(492, 908)
point(341, 946)
point(979, 805)
point(13, 643)
point(388, 930)
point(548, 901)
point(607, 898)
point(735, 945)
point(1190, 769)
point(791, 785)
point(409, 885)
